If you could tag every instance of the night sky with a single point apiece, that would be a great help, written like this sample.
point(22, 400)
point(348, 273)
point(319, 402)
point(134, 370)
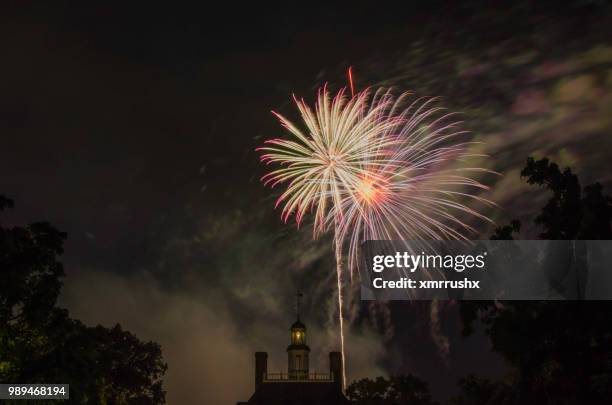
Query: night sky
point(133, 129)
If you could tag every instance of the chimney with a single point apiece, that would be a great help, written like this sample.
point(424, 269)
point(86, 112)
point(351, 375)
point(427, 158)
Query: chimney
point(261, 367)
point(335, 369)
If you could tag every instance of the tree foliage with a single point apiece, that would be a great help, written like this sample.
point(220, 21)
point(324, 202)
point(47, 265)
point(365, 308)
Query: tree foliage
point(571, 213)
point(40, 343)
point(480, 391)
point(559, 351)
point(400, 390)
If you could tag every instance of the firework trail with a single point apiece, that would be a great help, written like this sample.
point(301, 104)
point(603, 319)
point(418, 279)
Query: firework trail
point(371, 169)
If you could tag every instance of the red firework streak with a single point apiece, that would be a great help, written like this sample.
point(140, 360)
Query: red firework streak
point(350, 78)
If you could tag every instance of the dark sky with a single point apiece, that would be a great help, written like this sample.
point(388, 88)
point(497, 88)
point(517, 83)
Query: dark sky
point(133, 128)
point(114, 112)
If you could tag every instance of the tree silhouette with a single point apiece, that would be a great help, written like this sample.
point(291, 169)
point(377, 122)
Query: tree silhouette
point(397, 390)
point(568, 214)
point(40, 343)
point(480, 391)
point(571, 213)
point(559, 350)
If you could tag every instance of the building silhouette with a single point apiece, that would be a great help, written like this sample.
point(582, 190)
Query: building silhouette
point(298, 386)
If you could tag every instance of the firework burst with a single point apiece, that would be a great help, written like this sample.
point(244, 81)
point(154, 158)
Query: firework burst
point(371, 169)
point(343, 140)
point(419, 187)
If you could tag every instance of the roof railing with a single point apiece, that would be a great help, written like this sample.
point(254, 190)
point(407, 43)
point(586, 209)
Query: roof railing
point(297, 376)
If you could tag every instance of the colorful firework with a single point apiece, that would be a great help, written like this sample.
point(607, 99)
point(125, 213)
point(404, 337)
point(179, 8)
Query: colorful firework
point(343, 139)
point(371, 169)
point(418, 188)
